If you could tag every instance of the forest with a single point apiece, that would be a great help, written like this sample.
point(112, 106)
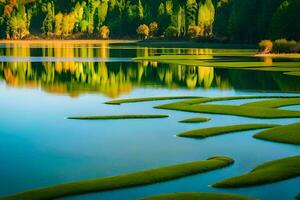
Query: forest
point(245, 21)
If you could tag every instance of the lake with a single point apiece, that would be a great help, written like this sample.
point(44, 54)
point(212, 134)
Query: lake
point(43, 84)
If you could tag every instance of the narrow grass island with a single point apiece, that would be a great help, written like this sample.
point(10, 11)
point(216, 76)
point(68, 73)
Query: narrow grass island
point(146, 177)
point(269, 172)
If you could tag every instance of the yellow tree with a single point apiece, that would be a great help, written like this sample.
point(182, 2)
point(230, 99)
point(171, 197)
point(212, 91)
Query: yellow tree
point(143, 31)
point(58, 23)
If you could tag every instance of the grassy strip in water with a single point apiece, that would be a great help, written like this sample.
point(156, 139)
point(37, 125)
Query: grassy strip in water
point(275, 103)
point(195, 120)
point(269, 172)
point(175, 57)
point(198, 196)
point(286, 134)
point(201, 100)
point(244, 111)
point(297, 73)
point(188, 60)
point(279, 55)
point(135, 100)
point(118, 117)
point(124, 181)
point(197, 105)
point(209, 132)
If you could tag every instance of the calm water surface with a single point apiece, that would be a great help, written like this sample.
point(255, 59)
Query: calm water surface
point(41, 85)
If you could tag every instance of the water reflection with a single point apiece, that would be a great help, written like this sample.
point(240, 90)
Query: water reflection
point(115, 77)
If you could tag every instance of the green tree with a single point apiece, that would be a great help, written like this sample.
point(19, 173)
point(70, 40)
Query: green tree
point(191, 12)
point(48, 23)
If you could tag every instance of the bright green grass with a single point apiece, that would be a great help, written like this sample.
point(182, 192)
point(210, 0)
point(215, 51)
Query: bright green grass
point(197, 105)
point(244, 111)
point(269, 172)
point(188, 60)
point(124, 181)
point(201, 100)
point(280, 55)
point(195, 120)
point(297, 73)
point(275, 103)
point(135, 100)
point(286, 134)
point(209, 132)
point(118, 117)
point(198, 196)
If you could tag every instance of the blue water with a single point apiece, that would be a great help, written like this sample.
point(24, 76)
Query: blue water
point(40, 147)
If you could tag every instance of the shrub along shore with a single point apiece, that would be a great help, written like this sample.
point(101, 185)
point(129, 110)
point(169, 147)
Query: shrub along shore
point(146, 177)
point(280, 46)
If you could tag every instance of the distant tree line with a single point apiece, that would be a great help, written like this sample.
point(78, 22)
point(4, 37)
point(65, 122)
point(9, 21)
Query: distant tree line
point(233, 20)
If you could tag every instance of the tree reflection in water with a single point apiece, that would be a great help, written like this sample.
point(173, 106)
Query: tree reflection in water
point(115, 78)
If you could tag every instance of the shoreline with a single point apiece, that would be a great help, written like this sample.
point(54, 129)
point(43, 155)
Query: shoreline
point(278, 55)
point(154, 43)
point(66, 41)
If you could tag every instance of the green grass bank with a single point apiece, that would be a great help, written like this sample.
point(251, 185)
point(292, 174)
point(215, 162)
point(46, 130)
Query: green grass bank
point(285, 134)
point(269, 172)
point(140, 178)
point(214, 131)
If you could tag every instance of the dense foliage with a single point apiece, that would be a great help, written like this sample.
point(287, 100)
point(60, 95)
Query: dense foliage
point(279, 46)
point(237, 20)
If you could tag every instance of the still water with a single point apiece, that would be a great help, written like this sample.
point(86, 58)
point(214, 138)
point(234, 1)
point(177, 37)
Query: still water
point(41, 85)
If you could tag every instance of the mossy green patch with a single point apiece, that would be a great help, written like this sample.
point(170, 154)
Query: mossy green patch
point(118, 117)
point(279, 55)
point(124, 181)
point(269, 172)
point(244, 111)
point(275, 103)
point(286, 134)
point(135, 100)
point(197, 105)
point(298, 196)
point(198, 196)
point(214, 131)
point(195, 120)
point(293, 73)
point(190, 60)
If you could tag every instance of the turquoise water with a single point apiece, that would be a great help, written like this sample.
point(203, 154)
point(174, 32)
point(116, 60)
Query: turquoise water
point(40, 147)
